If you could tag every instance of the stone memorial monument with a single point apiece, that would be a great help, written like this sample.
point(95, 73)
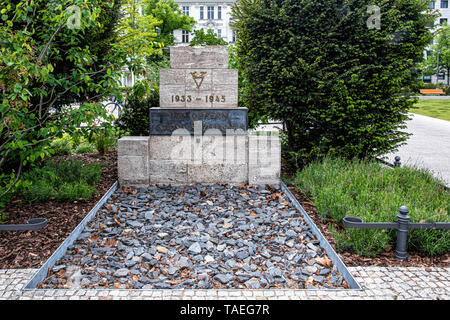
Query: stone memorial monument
point(198, 134)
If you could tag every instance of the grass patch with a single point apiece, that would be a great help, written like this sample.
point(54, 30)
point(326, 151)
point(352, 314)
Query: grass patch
point(374, 193)
point(433, 108)
point(61, 181)
point(85, 148)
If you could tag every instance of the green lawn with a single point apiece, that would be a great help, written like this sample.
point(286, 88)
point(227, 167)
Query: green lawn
point(433, 108)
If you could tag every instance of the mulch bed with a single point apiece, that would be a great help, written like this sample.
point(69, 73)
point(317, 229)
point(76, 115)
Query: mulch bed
point(384, 259)
point(30, 249)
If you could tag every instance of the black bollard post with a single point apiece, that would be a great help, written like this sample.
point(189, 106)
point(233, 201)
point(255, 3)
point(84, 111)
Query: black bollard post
point(402, 233)
point(397, 162)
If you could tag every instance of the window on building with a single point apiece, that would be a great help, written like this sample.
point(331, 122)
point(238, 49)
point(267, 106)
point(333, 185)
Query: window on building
point(219, 33)
point(431, 25)
point(219, 12)
point(201, 13)
point(185, 36)
point(441, 76)
point(233, 35)
point(426, 79)
point(443, 21)
point(431, 5)
point(186, 10)
point(444, 4)
point(210, 13)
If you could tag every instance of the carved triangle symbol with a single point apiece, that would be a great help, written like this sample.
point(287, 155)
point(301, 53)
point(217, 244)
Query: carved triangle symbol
point(197, 78)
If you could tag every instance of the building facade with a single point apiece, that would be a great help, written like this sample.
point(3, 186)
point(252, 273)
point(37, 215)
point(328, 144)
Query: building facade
point(444, 9)
point(209, 14)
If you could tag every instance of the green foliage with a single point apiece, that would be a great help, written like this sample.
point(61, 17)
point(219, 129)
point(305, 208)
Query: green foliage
point(439, 60)
point(134, 117)
point(62, 181)
point(339, 86)
point(85, 148)
point(44, 66)
point(105, 139)
point(206, 39)
point(61, 146)
point(254, 114)
point(170, 18)
point(138, 36)
point(341, 188)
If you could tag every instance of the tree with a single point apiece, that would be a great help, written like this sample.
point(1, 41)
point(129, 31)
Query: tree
point(206, 39)
point(45, 64)
point(439, 60)
point(338, 81)
point(171, 18)
point(138, 36)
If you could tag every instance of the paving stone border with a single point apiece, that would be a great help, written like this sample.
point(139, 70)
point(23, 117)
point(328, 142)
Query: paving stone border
point(223, 276)
point(378, 283)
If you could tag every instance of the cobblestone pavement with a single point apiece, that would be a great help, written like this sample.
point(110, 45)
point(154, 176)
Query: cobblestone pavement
point(377, 284)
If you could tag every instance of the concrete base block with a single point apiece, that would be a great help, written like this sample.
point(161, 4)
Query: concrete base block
point(132, 160)
point(208, 159)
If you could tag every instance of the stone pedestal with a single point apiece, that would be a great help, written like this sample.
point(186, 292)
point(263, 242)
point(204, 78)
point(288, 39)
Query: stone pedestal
point(199, 135)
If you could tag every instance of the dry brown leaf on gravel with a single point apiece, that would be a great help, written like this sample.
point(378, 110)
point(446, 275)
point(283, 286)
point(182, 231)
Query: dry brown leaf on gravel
point(109, 243)
point(324, 261)
point(93, 238)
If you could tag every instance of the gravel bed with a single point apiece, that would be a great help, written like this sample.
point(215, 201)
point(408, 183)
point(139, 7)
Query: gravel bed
point(198, 236)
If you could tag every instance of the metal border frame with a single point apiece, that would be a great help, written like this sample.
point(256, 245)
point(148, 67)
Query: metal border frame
point(334, 257)
point(61, 250)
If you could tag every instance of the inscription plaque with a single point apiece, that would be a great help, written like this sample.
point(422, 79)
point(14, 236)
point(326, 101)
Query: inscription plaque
point(166, 121)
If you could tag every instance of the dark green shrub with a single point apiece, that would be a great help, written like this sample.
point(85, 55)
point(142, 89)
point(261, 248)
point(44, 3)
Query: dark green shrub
point(134, 117)
point(366, 190)
point(432, 86)
point(62, 181)
point(338, 85)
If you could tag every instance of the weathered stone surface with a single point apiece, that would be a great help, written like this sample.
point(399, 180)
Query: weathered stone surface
point(224, 149)
point(217, 173)
point(132, 160)
point(264, 160)
point(198, 57)
point(172, 96)
point(168, 172)
point(172, 77)
point(133, 146)
point(225, 76)
point(174, 147)
point(227, 94)
point(198, 79)
point(212, 150)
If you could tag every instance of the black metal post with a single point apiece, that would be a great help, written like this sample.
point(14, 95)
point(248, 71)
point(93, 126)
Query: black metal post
point(402, 233)
point(397, 162)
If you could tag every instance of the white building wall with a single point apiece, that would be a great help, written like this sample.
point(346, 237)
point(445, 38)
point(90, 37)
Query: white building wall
point(215, 24)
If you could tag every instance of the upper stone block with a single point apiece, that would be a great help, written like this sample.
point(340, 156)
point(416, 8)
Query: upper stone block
point(210, 57)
